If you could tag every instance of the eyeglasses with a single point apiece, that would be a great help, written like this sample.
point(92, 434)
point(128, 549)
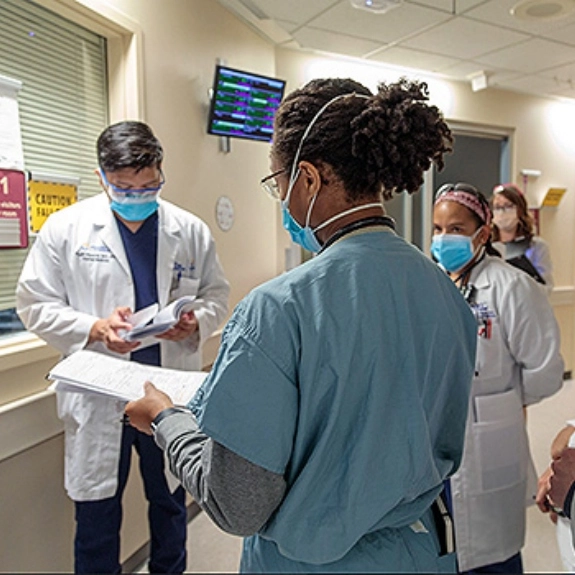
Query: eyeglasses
point(138, 192)
point(504, 209)
point(270, 185)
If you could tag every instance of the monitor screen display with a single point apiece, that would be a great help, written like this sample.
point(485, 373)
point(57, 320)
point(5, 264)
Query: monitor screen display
point(243, 104)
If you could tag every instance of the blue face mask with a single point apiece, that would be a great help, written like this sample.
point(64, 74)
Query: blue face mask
point(453, 251)
point(302, 236)
point(134, 212)
point(133, 205)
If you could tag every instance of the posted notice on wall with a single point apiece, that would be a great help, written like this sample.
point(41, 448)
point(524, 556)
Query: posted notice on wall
point(13, 215)
point(11, 151)
point(49, 194)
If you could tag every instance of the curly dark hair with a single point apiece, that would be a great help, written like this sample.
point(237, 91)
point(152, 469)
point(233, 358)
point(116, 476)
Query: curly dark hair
point(380, 144)
point(128, 144)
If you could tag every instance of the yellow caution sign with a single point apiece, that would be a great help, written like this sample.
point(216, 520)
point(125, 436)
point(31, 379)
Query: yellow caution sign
point(553, 197)
point(45, 198)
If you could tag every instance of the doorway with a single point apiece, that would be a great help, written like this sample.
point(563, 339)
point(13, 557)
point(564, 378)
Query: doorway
point(480, 157)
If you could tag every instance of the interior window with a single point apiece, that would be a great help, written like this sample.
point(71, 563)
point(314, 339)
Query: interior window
point(63, 106)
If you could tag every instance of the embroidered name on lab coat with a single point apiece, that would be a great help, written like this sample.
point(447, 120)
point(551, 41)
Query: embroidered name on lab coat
point(181, 271)
point(100, 254)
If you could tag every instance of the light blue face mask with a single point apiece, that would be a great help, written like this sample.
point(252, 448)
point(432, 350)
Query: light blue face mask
point(453, 251)
point(134, 212)
point(305, 235)
point(133, 205)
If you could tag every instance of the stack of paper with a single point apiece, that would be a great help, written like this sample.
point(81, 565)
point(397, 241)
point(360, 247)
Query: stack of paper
point(149, 321)
point(91, 372)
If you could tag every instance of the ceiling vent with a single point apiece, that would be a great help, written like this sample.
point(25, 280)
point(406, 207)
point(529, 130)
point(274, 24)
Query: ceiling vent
point(543, 10)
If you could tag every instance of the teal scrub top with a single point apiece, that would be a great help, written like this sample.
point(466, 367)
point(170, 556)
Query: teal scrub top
point(350, 376)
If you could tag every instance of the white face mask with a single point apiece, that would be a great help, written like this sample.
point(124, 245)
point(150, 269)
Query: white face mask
point(506, 220)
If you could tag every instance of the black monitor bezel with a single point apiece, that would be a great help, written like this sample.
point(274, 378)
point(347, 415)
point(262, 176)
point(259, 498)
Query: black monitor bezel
point(213, 100)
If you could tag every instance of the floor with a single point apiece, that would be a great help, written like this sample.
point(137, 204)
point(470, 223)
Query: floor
point(212, 551)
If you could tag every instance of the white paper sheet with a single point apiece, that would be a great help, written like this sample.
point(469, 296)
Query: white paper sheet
point(11, 151)
point(91, 372)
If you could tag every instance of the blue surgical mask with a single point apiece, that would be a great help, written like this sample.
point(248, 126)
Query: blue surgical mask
point(134, 212)
point(133, 205)
point(302, 236)
point(453, 251)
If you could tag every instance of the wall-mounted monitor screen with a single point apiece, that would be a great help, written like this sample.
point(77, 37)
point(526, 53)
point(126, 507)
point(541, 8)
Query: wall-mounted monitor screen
point(243, 104)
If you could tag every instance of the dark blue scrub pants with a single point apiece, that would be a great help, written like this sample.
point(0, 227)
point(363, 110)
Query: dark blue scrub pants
point(97, 542)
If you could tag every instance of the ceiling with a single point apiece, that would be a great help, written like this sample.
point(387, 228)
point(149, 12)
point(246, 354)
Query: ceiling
point(456, 39)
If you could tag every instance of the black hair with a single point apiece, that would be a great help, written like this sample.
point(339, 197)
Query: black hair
point(380, 144)
point(128, 144)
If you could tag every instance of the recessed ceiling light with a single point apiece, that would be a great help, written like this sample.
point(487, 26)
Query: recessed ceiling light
point(543, 10)
point(379, 6)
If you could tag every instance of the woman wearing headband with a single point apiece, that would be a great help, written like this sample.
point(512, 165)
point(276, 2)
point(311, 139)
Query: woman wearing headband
point(513, 230)
point(337, 404)
point(518, 363)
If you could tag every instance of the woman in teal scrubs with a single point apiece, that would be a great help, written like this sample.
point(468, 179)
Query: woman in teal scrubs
point(337, 404)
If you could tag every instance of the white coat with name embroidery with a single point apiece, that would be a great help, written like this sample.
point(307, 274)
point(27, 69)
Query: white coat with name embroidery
point(76, 273)
point(518, 364)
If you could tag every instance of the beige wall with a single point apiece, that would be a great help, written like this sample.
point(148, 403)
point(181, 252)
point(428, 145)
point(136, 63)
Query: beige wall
point(178, 46)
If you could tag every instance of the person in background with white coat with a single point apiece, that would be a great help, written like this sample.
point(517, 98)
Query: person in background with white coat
point(512, 231)
point(518, 364)
point(92, 265)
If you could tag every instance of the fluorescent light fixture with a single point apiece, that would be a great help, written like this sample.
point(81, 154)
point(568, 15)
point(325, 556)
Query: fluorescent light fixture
point(379, 6)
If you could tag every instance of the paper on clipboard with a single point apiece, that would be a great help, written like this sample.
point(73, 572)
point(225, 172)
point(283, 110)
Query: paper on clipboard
point(87, 371)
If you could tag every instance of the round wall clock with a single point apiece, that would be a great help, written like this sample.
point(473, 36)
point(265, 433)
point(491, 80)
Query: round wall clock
point(224, 213)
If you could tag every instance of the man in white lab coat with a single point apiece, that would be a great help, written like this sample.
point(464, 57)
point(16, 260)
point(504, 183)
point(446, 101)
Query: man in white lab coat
point(92, 265)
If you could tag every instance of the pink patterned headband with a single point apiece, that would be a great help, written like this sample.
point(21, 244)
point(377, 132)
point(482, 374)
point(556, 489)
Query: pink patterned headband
point(469, 201)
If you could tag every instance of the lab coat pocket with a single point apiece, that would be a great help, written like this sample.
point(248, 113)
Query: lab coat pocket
point(185, 286)
point(489, 349)
point(500, 439)
point(68, 406)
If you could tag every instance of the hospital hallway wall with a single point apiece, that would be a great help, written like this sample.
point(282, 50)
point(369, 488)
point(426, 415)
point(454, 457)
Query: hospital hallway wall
point(161, 65)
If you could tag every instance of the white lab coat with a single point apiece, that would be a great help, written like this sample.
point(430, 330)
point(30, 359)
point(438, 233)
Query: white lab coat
point(518, 363)
point(538, 254)
point(78, 272)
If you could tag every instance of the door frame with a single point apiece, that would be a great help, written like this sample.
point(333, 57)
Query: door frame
point(428, 188)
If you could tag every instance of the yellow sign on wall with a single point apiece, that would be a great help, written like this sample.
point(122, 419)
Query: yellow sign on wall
point(45, 198)
point(553, 197)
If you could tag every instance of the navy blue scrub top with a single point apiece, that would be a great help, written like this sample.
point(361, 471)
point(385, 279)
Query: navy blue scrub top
point(142, 252)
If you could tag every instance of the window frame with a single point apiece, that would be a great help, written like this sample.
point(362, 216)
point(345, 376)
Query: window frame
point(126, 100)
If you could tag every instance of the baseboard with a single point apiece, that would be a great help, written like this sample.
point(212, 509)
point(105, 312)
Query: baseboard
point(135, 562)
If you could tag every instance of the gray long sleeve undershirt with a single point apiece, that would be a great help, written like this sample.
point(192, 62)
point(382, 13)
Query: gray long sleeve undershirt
point(238, 495)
